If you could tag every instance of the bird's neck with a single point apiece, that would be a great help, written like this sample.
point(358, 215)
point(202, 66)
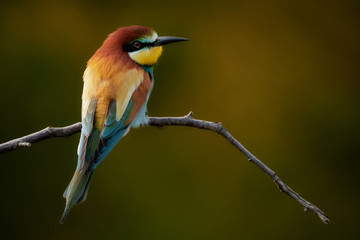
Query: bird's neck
point(149, 70)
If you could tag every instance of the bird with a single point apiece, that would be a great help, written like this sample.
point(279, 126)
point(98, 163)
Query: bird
point(118, 80)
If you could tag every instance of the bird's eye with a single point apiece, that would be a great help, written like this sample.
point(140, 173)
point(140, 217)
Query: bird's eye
point(137, 44)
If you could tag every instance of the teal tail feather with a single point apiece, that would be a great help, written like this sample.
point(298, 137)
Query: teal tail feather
point(65, 213)
point(77, 191)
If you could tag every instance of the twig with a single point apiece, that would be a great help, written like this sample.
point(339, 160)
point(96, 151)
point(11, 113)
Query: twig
point(188, 121)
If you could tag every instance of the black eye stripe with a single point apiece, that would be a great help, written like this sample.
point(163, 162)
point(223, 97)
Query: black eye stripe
point(129, 47)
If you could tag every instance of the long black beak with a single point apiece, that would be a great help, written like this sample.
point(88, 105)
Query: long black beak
point(166, 40)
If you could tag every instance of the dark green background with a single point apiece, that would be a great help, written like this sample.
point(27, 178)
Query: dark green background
point(282, 76)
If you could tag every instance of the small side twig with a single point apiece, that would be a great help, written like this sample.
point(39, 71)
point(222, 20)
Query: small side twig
point(188, 121)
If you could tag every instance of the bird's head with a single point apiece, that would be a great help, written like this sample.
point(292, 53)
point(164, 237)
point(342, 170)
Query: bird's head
point(142, 44)
point(145, 46)
point(129, 45)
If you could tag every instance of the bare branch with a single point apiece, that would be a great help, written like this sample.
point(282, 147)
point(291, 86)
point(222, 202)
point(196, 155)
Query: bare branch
point(46, 133)
point(188, 121)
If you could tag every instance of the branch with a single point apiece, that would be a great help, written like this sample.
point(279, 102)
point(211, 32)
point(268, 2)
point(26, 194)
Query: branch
point(46, 133)
point(188, 121)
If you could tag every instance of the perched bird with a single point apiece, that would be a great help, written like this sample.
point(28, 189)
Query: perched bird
point(117, 84)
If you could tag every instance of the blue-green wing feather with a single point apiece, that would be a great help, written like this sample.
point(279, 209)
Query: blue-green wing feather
point(88, 139)
point(94, 146)
point(112, 132)
point(111, 125)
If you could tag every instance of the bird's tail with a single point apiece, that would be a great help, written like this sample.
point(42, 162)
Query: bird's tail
point(76, 191)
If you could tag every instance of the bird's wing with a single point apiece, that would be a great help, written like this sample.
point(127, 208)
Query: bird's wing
point(95, 144)
point(86, 131)
point(114, 129)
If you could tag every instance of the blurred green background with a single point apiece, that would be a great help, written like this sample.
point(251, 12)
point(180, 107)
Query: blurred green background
point(282, 76)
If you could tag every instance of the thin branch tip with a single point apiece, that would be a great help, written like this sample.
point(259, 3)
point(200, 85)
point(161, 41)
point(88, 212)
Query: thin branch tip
point(160, 122)
point(324, 219)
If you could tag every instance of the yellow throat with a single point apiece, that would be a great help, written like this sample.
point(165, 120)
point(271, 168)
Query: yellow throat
point(146, 56)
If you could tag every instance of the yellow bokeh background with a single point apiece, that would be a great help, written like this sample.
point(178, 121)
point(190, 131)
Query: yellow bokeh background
point(282, 76)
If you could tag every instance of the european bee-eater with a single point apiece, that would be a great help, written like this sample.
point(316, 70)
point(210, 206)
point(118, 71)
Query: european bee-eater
point(117, 83)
